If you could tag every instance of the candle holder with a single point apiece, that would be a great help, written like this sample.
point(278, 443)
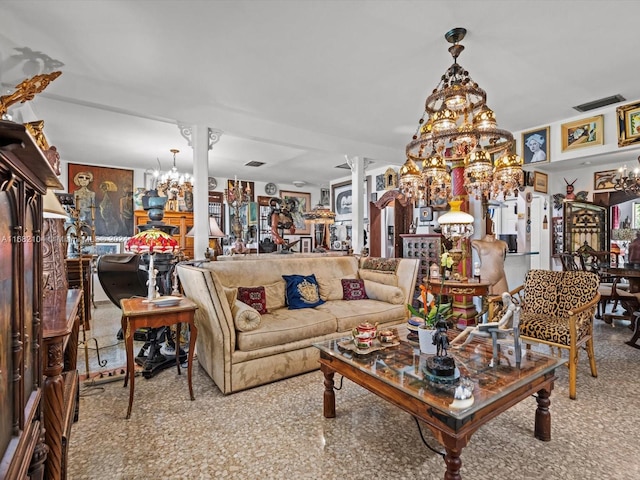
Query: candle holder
point(237, 197)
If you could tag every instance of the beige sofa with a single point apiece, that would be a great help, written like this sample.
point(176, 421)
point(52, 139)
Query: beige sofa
point(240, 348)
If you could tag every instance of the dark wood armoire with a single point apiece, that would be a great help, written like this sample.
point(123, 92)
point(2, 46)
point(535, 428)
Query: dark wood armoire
point(25, 175)
point(403, 213)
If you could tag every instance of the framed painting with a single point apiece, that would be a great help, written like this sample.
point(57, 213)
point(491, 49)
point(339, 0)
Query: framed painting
point(108, 248)
point(297, 203)
point(604, 180)
point(305, 244)
point(325, 197)
point(426, 215)
point(628, 124)
point(535, 146)
point(104, 197)
point(586, 132)
point(342, 200)
point(540, 182)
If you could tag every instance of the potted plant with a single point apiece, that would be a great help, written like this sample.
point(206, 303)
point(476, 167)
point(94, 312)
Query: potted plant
point(429, 314)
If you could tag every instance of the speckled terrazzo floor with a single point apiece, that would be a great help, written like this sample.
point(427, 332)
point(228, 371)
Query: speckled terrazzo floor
point(277, 431)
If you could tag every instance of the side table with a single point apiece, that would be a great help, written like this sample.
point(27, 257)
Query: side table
point(137, 313)
point(461, 291)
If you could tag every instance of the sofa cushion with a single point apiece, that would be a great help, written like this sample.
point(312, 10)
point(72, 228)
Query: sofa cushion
point(302, 291)
point(350, 314)
point(275, 295)
point(255, 297)
point(384, 293)
point(331, 288)
point(231, 294)
point(353, 289)
point(386, 278)
point(245, 318)
point(284, 326)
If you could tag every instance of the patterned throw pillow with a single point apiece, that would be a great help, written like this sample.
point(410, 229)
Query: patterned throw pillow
point(353, 289)
point(255, 297)
point(302, 291)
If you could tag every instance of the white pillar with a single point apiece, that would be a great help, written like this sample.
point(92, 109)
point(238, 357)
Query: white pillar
point(201, 139)
point(357, 165)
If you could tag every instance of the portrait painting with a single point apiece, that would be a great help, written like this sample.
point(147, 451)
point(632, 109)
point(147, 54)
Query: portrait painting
point(297, 203)
point(535, 146)
point(103, 197)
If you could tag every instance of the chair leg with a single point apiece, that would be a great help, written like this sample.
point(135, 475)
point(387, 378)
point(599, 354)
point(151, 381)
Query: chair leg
point(573, 371)
point(592, 358)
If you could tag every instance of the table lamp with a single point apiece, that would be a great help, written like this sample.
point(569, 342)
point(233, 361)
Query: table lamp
point(456, 225)
point(214, 249)
point(152, 241)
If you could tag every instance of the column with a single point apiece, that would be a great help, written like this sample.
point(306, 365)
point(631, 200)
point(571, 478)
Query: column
point(201, 138)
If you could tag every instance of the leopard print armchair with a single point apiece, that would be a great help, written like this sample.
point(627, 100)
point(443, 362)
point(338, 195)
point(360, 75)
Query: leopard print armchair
point(558, 309)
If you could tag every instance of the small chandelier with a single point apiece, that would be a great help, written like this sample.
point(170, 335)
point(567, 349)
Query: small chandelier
point(410, 181)
point(172, 180)
point(628, 182)
point(458, 123)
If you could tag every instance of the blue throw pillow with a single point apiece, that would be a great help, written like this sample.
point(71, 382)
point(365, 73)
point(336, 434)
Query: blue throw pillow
point(302, 291)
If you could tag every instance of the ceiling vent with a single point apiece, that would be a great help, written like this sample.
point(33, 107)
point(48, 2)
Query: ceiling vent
point(603, 102)
point(254, 164)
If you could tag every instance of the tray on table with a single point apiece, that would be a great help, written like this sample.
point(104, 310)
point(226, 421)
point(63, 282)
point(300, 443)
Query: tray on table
point(375, 346)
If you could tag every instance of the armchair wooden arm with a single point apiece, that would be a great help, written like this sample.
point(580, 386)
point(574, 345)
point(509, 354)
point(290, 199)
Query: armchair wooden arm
point(495, 302)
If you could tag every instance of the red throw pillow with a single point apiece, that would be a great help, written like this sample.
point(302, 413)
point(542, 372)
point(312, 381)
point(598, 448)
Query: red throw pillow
point(255, 297)
point(353, 289)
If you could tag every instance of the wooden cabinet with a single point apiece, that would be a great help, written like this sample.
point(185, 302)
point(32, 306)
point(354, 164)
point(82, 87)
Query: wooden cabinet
point(61, 323)
point(585, 223)
point(182, 220)
point(426, 248)
point(24, 176)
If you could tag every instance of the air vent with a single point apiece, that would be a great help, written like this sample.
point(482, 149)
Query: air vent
point(254, 164)
point(344, 165)
point(603, 102)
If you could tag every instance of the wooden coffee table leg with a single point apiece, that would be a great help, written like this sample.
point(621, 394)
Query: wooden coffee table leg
point(542, 429)
point(329, 405)
point(452, 459)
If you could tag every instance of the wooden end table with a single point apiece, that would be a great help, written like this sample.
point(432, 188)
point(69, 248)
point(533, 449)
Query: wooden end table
point(137, 313)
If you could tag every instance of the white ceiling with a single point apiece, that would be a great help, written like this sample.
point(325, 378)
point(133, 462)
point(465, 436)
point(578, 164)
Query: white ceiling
point(299, 84)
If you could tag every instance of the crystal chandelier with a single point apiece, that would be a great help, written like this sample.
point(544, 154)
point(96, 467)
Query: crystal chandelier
point(173, 179)
point(628, 182)
point(457, 127)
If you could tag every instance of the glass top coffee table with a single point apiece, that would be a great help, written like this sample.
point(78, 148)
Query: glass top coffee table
point(398, 374)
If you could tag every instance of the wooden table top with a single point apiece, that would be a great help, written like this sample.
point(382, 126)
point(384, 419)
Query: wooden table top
point(139, 306)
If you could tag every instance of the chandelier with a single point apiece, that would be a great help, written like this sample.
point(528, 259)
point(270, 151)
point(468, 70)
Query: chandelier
point(173, 180)
point(628, 182)
point(458, 129)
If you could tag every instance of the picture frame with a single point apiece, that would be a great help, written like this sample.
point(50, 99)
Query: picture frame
point(586, 132)
point(628, 124)
point(108, 248)
point(325, 197)
point(306, 244)
point(104, 196)
point(341, 200)
point(297, 203)
point(426, 215)
point(540, 182)
point(604, 180)
point(535, 146)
